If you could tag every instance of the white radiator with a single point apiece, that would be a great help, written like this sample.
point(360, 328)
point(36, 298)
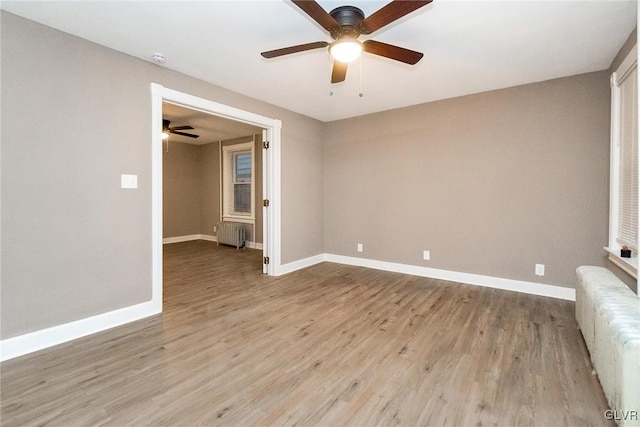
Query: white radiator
point(231, 233)
point(608, 314)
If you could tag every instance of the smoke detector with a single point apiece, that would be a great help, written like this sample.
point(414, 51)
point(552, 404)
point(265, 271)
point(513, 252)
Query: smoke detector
point(158, 58)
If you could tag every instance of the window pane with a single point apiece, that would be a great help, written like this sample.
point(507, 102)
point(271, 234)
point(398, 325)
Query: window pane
point(628, 174)
point(243, 167)
point(242, 198)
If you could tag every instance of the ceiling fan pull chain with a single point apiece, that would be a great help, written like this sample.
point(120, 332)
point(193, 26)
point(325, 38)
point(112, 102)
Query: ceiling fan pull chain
point(345, 25)
point(360, 65)
point(330, 84)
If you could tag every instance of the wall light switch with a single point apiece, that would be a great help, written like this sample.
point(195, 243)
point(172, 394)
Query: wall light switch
point(359, 247)
point(128, 181)
point(539, 269)
point(426, 255)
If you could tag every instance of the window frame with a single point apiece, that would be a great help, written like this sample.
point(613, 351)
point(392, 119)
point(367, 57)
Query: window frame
point(229, 153)
point(618, 77)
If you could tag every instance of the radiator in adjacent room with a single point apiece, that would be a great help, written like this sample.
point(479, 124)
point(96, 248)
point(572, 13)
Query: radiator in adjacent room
point(231, 233)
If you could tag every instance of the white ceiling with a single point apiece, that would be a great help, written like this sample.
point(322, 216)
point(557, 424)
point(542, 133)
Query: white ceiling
point(208, 127)
point(469, 46)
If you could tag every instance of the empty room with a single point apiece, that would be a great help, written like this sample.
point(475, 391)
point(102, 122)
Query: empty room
point(319, 213)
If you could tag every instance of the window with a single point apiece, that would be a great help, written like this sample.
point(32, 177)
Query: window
point(238, 182)
point(242, 183)
point(623, 227)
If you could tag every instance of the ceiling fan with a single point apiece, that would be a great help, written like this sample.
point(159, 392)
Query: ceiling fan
point(345, 24)
point(176, 129)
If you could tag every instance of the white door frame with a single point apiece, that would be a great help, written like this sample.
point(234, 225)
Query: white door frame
point(272, 246)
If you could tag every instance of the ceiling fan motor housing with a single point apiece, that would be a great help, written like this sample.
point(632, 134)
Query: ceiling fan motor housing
point(349, 18)
point(346, 24)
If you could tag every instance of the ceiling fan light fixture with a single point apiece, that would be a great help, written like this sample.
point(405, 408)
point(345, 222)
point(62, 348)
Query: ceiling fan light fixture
point(346, 50)
point(345, 24)
point(165, 135)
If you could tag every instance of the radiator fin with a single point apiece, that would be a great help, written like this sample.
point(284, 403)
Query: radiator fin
point(608, 313)
point(231, 233)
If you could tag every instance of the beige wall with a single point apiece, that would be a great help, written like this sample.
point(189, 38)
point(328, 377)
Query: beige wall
point(76, 115)
point(307, 203)
point(182, 190)
point(490, 183)
point(209, 187)
point(191, 188)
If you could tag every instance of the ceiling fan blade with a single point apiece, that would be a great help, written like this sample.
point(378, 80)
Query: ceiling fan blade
point(389, 13)
point(339, 72)
point(392, 52)
point(315, 11)
point(182, 127)
point(294, 49)
point(190, 135)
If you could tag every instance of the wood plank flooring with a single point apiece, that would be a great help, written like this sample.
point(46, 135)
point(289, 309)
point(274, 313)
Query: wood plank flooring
point(329, 345)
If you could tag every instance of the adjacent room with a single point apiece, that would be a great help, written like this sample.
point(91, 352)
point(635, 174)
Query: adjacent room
point(212, 178)
point(212, 216)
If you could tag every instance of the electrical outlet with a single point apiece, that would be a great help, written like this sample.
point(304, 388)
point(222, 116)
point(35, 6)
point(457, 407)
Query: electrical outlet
point(215, 229)
point(539, 269)
point(426, 255)
point(359, 247)
point(128, 181)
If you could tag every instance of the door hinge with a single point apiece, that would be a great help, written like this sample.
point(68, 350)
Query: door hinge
point(265, 260)
point(265, 144)
point(265, 203)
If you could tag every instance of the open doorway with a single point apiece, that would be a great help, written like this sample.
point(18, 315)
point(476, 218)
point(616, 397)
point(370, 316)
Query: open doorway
point(265, 138)
point(212, 179)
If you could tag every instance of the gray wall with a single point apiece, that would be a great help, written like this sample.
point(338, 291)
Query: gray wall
point(76, 115)
point(491, 183)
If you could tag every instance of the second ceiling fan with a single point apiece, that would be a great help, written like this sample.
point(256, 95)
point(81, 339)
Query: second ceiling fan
point(176, 129)
point(345, 24)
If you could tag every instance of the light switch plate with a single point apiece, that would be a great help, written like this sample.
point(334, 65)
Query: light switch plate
point(128, 181)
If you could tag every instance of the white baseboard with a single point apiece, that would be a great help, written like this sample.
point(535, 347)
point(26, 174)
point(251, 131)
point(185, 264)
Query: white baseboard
point(34, 341)
point(301, 263)
point(454, 276)
point(190, 237)
point(434, 273)
point(254, 245)
point(44, 338)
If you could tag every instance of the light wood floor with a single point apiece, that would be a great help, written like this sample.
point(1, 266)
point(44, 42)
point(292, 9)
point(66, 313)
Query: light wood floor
point(330, 345)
